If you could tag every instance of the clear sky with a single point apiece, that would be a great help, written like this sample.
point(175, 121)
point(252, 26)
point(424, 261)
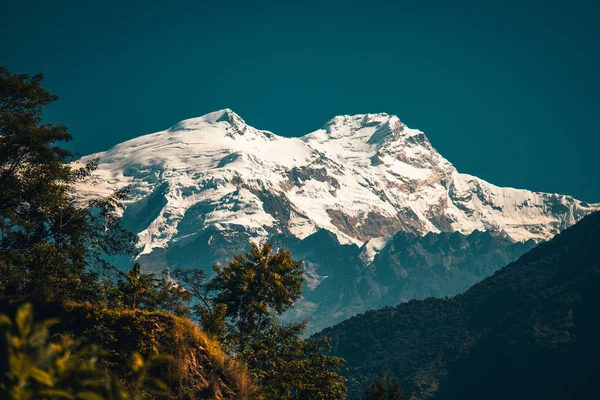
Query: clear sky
point(506, 90)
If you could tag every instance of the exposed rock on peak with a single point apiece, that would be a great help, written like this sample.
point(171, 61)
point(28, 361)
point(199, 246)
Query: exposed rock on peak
point(206, 187)
point(361, 177)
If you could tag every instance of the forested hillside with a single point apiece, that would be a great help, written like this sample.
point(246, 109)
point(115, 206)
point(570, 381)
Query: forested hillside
point(75, 326)
point(530, 331)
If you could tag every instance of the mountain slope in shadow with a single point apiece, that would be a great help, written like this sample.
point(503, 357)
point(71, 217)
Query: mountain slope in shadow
point(530, 331)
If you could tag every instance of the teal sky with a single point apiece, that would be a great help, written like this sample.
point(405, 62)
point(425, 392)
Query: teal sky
point(506, 90)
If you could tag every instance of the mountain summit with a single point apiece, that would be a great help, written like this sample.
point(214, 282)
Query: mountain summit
point(362, 177)
point(376, 213)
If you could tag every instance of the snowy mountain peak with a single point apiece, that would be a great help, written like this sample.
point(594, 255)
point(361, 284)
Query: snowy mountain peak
point(361, 177)
point(373, 130)
point(360, 124)
point(225, 117)
point(359, 120)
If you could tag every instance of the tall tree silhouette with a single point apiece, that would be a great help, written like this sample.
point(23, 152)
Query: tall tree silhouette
point(49, 245)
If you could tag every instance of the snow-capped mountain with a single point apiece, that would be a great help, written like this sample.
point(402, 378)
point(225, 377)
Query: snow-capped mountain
point(376, 213)
point(362, 177)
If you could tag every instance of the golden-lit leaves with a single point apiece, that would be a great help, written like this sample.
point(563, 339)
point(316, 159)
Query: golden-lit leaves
point(64, 369)
point(24, 319)
point(136, 362)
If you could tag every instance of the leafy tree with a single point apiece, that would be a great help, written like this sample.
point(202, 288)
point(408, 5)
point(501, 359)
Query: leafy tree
point(138, 289)
point(256, 287)
point(288, 367)
point(207, 312)
point(254, 290)
point(50, 246)
point(39, 368)
point(383, 388)
point(172, 297)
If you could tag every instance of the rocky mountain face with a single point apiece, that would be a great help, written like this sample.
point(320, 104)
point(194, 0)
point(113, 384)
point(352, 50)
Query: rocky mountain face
point(366, 184)
point(342, 282)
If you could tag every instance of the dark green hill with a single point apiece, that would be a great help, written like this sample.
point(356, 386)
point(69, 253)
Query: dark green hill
point(530, 331)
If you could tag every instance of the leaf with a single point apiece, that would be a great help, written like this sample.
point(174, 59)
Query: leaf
point(19, 365)
point(24, 319)
point(136, 362)
point(39, 336)
point(4, 321)
point(159, 359)
point(55, 393)
point(89, 396)
point(16, 341)
point(156, 386)
point(41, 376)
point(51, 322)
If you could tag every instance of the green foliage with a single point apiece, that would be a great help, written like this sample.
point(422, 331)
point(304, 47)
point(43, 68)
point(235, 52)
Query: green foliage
point(49, 245)
point(40, 368)
point(241, 306)
point(138, 290)
point(529, 331)
point(199, 365)
point(171, 297)
point(210, 315)
point(288, 367)
point(255, 287)
point(213, 321)
point(245, 300)
point(383, 388)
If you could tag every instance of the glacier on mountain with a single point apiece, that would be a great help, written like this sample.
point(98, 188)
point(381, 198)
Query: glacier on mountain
point(362, 177)
point(375, 212)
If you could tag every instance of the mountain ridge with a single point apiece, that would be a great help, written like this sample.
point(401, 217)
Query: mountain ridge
point(206, 187)
point(370, 174)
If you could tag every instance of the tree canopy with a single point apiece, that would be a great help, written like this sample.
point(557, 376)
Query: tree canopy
point(49, 244)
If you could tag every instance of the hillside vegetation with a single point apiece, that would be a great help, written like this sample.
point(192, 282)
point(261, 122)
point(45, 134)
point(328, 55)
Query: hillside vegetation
point(530, 331)
point(198, 368)
point(103, 332)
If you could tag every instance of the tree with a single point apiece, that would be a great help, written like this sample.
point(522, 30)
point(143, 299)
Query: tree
point(138, 289)
point(288, 367)
point(171, 296)
point(50, 246)
point(210, 315)
point(256, 287)
point(383, 388)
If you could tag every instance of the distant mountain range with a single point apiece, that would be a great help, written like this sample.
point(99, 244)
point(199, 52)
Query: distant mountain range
point(530, 331)
point(376, 212)
point(408, 267)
